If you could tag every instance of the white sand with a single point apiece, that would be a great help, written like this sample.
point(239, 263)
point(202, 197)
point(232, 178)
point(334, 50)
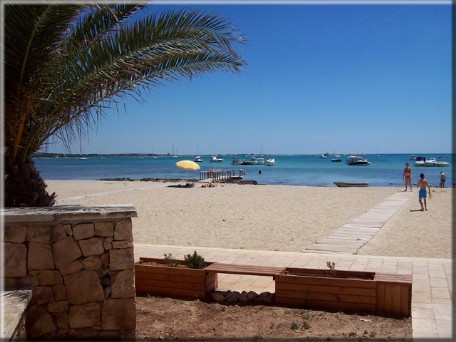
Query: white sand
point(266, 217)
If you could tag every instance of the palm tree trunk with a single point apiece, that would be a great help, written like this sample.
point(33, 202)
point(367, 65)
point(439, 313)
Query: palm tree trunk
point(24, 186)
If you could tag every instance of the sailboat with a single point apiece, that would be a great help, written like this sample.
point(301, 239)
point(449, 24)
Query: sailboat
point(173, 155)
point(80, 152)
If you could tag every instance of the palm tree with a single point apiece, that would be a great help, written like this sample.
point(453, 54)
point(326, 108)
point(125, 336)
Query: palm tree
point(64, 64)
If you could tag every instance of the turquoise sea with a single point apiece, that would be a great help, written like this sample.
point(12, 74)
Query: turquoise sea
point(310, 170)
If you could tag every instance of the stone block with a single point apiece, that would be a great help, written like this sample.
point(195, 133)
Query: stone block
point(15, 256)
point(62, 320)
point(60, 293)
point(83, 231)
point(40, 256)
point(15, 233)
point(40, 322)
point(107, 245)
point(58, 307)
point(65, 251)
point(59, 233)
point(68, 229)
point(87, 315)
point(123, 284)
point(92, 262)
point(122, 244)
point(50, 277)
point(72, 267)
point(104, 229)
point(123, 230)
point(119, 314)
point(41, 295)
point(93, 246)
point(121, 259)
point(83, 287)
point(39, 233)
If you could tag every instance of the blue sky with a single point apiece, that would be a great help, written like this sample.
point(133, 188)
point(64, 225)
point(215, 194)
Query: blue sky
point(320, 78)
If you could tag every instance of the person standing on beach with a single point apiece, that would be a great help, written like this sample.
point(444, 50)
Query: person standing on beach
point(407, 174)
point(442, 179)
point(423, 185)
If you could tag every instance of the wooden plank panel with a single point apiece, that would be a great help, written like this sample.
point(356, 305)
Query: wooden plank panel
point(331, 297)
point(380, 298)
point(396, 300)
point(244, 269)
point(325, 272)
point(325, 281)
point(171, 277)
point(174, 293)
point(170, 284)
point(168, 270)
point(406, 301)
point(372, 292)
point(388, 299)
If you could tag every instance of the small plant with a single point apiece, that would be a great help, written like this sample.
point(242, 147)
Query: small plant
point(294, 326)
point(373, 333)
point(194, 261)
point(305, 325)
point(332, 268)
point(170, 261)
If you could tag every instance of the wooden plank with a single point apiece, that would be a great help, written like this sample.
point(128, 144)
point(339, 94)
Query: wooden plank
point(361, 283)
point(406, 301)
point(175, 293)
point(168, 270)
point(324, 296)
point(396, 300)
point(325, 272)
point(380, 298)
point(244, 269)
point(372, 292)
point(388, 299)
point(170, 284)
point(170, 277)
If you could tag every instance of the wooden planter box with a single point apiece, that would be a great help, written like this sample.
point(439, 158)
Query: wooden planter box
point(175, 282)
point(366, 292)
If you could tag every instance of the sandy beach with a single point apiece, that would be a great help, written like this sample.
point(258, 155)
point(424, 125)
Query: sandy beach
point(267, 217)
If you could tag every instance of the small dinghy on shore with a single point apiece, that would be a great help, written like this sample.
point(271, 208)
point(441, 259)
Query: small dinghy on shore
point(352, 184)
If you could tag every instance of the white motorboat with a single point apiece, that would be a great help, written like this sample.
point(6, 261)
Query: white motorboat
point(270, 162)
point(357, 160)
point(419, 161)
point(260, 161)
point(216, 159)
point(198, 159)
point(442, 163)
point(336, 159)
point(430, 162)
point(251, 161)
point(413, 157)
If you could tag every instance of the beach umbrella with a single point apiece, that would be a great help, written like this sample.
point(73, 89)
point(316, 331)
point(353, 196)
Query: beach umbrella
point(187, 165)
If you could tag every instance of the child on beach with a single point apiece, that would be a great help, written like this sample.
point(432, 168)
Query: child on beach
point(423, 185)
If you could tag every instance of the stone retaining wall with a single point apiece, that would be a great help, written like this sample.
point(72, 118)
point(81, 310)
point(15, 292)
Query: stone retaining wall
point(79, 264)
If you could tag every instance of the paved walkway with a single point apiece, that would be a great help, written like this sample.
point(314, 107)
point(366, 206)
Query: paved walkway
point(349, 238)
point(432, 292)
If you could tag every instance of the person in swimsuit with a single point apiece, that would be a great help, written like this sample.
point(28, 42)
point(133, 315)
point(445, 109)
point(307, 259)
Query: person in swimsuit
point(407, 174)
point(423, 185)
point(442, 179)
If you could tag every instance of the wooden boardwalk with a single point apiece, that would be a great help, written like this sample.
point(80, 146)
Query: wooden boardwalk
point(349, 238)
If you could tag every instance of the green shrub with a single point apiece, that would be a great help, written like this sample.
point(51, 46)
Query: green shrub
point(194, 261)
